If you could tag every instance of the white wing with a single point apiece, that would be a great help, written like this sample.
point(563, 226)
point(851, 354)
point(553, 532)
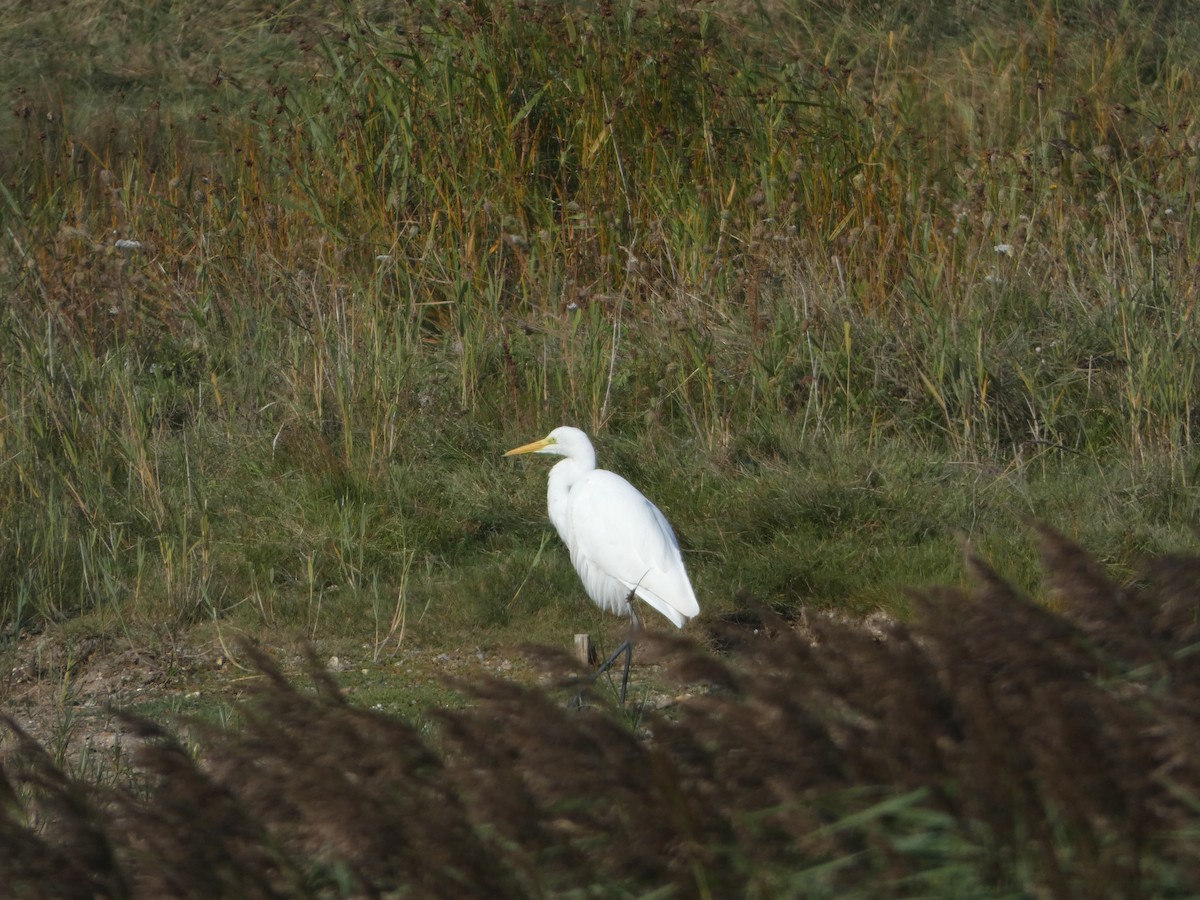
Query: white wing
point(620, 542)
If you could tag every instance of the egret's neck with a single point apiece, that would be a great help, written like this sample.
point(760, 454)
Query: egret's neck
point(562, 478)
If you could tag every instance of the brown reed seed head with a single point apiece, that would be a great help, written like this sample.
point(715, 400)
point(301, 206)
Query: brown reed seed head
point(1028, 749)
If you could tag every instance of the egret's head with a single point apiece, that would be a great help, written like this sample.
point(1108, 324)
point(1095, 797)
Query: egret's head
point(562, 441)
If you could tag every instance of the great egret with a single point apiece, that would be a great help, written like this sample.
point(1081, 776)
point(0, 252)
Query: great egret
point(621, 544)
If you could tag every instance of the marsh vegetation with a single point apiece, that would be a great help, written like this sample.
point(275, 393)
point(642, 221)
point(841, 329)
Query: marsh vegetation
point(840, 285)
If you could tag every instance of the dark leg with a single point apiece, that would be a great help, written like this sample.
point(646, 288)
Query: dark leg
point(625, 675)
point(625, 648)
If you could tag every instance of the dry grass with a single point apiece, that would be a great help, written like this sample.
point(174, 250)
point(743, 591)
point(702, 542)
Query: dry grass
point(378, 246)
point(993, 746)
point(833, 283)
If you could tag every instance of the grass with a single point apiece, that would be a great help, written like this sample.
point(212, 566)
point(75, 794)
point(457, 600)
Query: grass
point(989, 748)
point(782, 288)
point(839, 288)
point(725, 257)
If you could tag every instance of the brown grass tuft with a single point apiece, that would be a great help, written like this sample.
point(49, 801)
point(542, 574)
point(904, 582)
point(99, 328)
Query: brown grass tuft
point(993, 745)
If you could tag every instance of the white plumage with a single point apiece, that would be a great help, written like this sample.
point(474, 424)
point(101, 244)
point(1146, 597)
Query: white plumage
point(620, 542)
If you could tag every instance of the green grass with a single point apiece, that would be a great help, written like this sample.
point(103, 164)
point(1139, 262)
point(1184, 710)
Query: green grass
point(837, 291)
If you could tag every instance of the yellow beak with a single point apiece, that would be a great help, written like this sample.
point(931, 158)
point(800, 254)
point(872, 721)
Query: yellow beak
point(530, 448)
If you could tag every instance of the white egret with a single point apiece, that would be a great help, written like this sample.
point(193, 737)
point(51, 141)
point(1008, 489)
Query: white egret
point(621, 544)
